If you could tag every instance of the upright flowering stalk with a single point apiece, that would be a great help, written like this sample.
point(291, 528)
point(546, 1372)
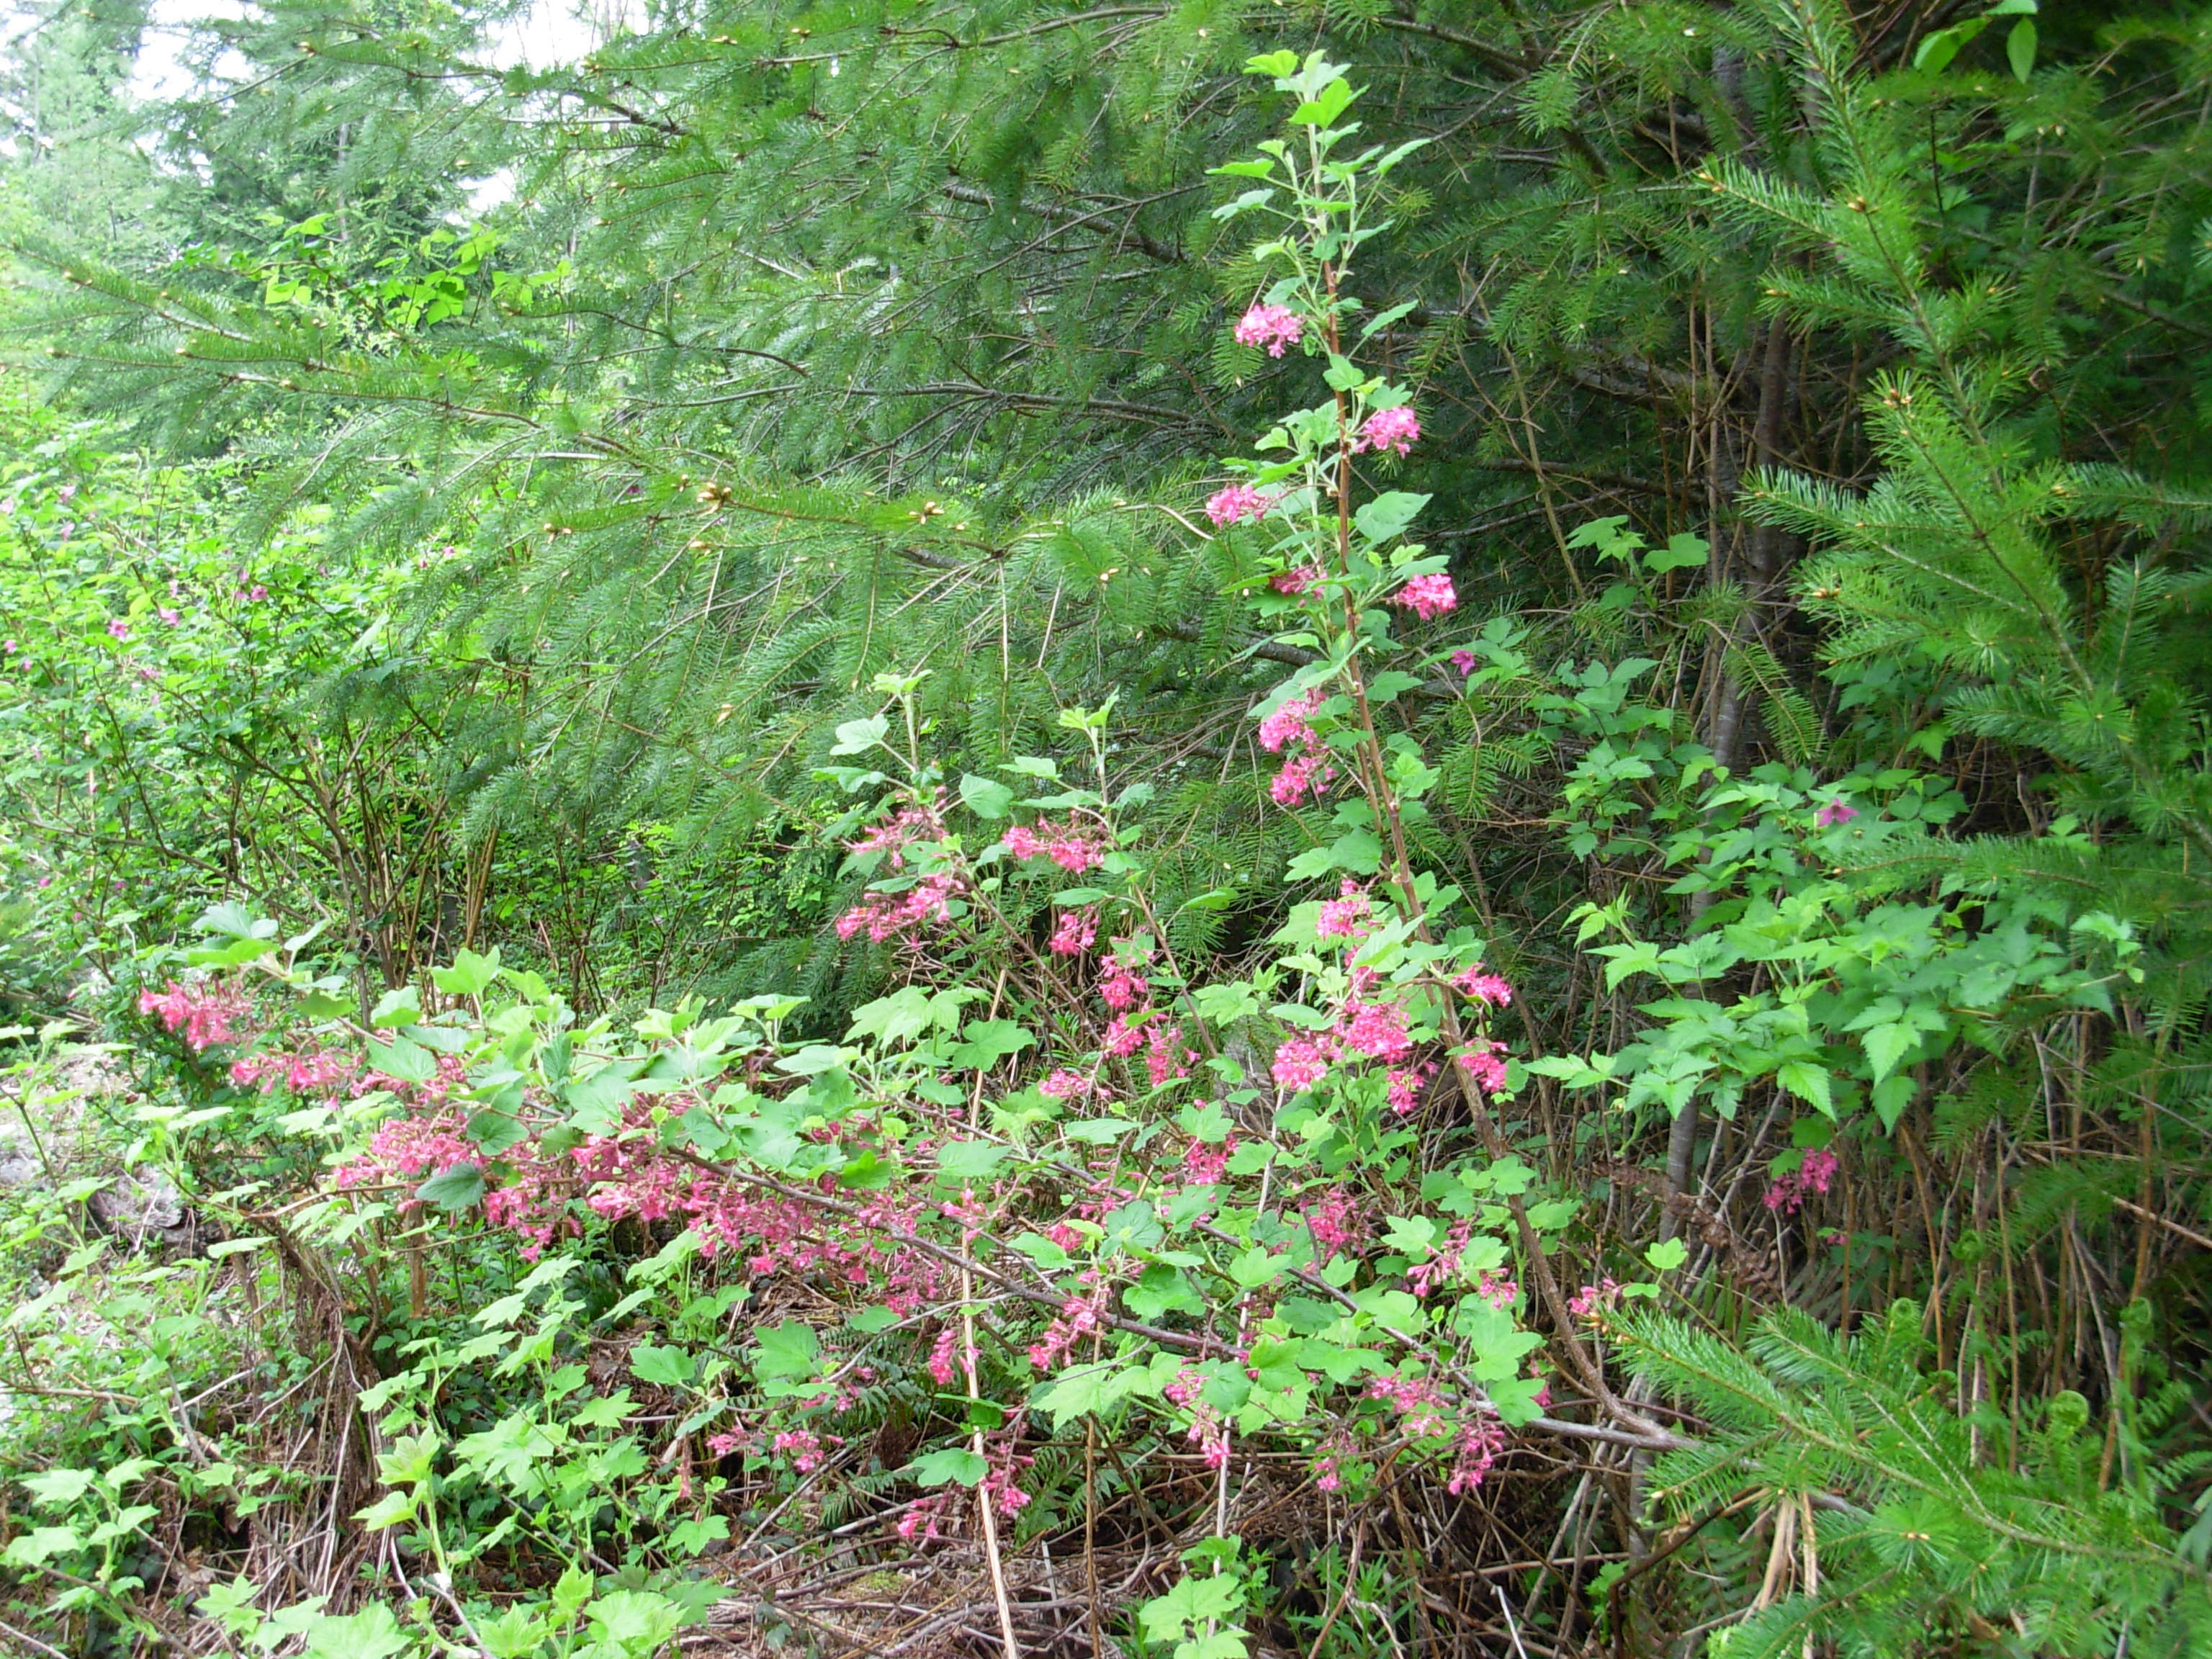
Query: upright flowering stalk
point(1412, 995)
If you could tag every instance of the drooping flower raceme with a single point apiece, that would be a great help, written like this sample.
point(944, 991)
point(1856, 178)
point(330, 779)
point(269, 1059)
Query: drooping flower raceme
point(1076, 932)
point(1064, 844)
point(1237, 503)
point(1307, 770)
point(1272, 326)
point(1427, 596)
point(1389, 428)
point(1816, 1174)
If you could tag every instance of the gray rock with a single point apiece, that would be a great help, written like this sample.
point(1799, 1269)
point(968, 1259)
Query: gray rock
point(140, 1207)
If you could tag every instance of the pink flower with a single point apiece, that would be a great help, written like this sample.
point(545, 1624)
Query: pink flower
point(118, 628)
point(1591, 1299)
point(1389, 428)
point(1122, 1039)
point(919, 1524)
point(1463, 660)
point(256, 594)
point(1308, 771)
point(1064, 1085)
point(1079, 1316)
point(1205, 1165)
point(1301, 775)
point(1345, 915)
point(1496, 1286)
point(1427, 596)
point(1378, 1030)
point(1299, 1064)
point(886, 916)
point(1124, 987)
point(1486, 989)
point(169, 618)
point(1166, 1058)
point(1064, 844)
point(1295, 582)
point(805, 1447)
point(1237, 503)
point(1406, 1086)
point(1272, 326)
point(1287, 724)
point(1076, 932)
point(1481, 1059)
point(1335, 1224)
point(205, 1012)
point(1815, 1174)
point(1326, 1476)
point(1419, 1410)
point(940, 1357)
point(1835, 812)
point(1480, 1442)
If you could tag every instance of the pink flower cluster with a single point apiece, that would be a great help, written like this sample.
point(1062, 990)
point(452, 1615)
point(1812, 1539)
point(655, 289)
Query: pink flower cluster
point(1493, 1285)
point(1593, 1299)
point(1001, 1483)
point(1427, 596)
point(891, 915)
point(1335, 1224)
point(412, 1148)
point(803, 1447)
point(921, 1523)
point(940, 1356)
point(1296, 581)
point(1188, 1391)
point(1079, 1316)
point(731, 1441)
point(1306, 770)
point(1123, 986)
point(1367, 1027)
point(205, 1012)
point(1345, 916)
point(310, 1070)
point(1064, 844)
point(1483, 1062)
point(1206, 1166)
point(1272, 326)
point(1064, 1085)
point(902, 829)
point(1480, 1442)
point(1236, 503)
point(1816, 1175)
point(1478, 1437)
point(1388, 428)
point(1486, 989)
point(1076, 932)
point(1420, 1411)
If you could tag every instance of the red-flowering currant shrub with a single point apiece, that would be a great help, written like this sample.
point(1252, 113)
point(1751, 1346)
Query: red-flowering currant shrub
point(1056, 1177)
